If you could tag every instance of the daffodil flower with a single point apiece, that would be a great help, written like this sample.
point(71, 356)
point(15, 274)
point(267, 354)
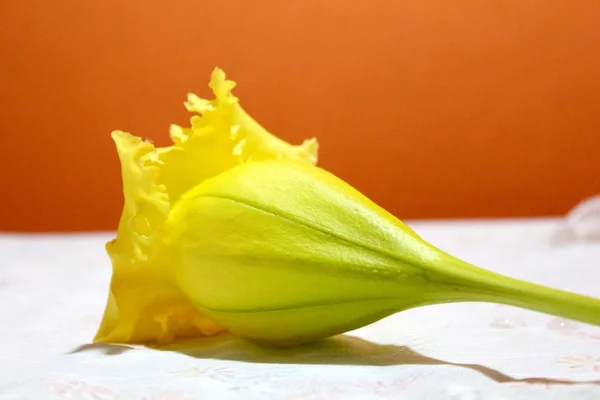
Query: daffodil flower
point(232, 229)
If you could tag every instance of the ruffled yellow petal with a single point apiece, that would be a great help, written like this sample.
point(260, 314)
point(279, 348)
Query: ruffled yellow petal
point(144, 303)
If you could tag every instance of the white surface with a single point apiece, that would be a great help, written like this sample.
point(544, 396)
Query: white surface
point(53, 291)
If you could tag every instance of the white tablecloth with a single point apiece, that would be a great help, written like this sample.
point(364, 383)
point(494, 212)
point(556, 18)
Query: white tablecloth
point(53, 290)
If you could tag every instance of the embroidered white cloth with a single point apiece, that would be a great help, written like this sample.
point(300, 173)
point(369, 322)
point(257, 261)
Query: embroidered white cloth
point(53, 290)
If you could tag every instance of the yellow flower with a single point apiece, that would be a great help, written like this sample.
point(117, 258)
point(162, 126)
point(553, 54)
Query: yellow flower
point(144, 304)
point(233, 229)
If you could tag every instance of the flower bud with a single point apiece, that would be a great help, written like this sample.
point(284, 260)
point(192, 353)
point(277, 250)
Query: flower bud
point(232, 229)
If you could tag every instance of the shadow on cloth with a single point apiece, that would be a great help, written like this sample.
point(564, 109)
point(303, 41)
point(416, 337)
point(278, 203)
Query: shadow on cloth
point(338, 350)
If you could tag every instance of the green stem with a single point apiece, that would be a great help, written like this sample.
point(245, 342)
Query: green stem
point(471, 283)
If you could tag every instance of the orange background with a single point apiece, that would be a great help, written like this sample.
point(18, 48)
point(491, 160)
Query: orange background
point(434, 109)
